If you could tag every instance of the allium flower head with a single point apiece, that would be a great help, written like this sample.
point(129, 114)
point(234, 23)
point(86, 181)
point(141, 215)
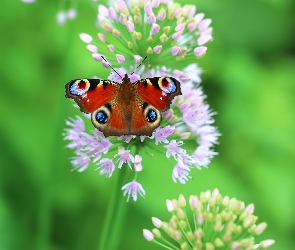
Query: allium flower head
point(188, 121)
point(157, 28)
point(165, 32)
point(209, 221)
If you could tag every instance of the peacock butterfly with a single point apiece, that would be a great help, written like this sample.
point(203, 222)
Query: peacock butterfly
point(124, 108)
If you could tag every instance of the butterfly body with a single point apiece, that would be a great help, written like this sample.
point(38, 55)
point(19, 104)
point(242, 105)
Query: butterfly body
point(124, 108)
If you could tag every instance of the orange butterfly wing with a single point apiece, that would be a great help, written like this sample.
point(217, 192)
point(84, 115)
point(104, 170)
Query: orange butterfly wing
point(90, 94)
point(158, 91)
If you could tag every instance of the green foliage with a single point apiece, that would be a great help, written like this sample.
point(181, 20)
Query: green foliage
point(249, 81)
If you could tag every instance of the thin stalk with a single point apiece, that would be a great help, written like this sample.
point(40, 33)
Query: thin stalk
point(115, 215)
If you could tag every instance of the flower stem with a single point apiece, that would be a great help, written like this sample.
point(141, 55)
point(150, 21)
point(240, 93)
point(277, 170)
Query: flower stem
point(115, 215)
point(164, 246)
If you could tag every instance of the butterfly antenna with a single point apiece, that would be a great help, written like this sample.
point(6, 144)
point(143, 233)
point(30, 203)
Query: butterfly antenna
point(139, 65)
point(111, 67)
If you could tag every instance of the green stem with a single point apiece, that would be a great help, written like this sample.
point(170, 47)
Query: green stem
point(164, 246)
point(115, 215)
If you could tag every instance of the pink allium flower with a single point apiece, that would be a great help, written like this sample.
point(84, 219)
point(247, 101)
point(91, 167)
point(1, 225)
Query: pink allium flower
point(181, 172)
point(189, 119)
point(106, 166)
point(124, 157)
point(187, 30)
point(80, 162)
point(173, 148)
point(133, 188)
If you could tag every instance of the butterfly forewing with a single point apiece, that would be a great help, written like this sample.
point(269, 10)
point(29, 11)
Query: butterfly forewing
point(158, 91)
point(90, 94)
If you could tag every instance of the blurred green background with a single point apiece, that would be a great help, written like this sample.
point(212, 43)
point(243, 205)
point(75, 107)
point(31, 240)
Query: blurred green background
point(249, 80)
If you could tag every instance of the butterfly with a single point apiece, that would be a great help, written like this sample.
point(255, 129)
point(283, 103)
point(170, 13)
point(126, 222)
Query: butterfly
point(124, 108)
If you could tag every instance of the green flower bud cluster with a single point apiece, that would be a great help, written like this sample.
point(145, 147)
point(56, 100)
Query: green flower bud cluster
point(212, 222)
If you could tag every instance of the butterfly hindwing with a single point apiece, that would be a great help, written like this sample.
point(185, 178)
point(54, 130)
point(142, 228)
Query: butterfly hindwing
point(158, 91)
point(146, 119)
point(90, 94)
point(110, 119)
point(118, 118)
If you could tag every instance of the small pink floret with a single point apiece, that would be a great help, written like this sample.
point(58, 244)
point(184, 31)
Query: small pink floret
point(175, 50)
point(180, 27)
point(148, 235)
point(101, 37)
point(92, 48)
point(152, 19)
point(204, 24)
point(86, 38)
point(132, 188)
point(155, 3)
point(204, 39)
point(157, 222)
point(97, 56)
point(130, 26)
point(137, 58)
point(148, 8)
point(161, 15)
point(155, 28)
point(201, 50)
point(137, 163)
point(158, 49)
point(112, 13)
point(121, 4)
point(120, 58)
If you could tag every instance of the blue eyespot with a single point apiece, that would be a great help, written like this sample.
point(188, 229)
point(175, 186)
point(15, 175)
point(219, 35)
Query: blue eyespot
point(78, 87)
point(101, 117)
point(172, 86)
point(151, 115)
point(168, 85)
